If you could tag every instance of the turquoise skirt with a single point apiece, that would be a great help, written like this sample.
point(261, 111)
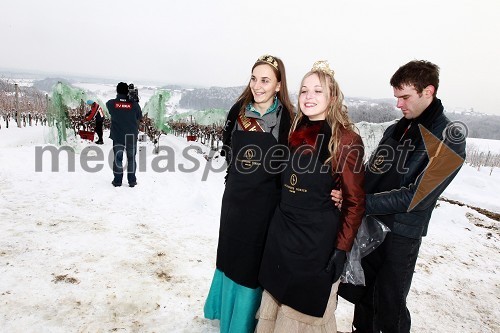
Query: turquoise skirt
point(234, 305)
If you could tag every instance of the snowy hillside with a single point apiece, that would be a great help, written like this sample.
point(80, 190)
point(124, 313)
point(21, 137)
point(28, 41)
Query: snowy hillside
point(105, 92)
point(78, 255)
point(173, 109)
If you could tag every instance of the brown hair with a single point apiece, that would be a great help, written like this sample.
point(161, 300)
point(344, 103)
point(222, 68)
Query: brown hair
point(247, 96)
point(417, 73)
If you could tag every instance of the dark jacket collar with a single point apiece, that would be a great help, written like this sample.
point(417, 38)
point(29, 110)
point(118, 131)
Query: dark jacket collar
point(409, 129)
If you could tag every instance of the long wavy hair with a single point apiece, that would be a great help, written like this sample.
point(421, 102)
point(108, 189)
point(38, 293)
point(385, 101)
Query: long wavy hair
point(336, 115)
point(247, 96)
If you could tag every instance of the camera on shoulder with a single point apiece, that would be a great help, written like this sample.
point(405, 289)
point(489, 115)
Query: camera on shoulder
point(133, 93)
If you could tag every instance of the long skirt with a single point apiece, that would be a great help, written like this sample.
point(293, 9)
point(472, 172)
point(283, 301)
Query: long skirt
point(279, 318)
point(233, 304)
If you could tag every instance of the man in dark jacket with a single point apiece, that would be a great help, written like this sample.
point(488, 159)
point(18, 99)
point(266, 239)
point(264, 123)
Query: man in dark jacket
point(415, 161)
point(125, 116)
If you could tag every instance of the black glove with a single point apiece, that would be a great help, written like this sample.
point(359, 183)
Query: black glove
point(336, 264)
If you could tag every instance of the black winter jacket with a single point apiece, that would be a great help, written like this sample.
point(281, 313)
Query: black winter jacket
point(125, 117)
point(393, 205)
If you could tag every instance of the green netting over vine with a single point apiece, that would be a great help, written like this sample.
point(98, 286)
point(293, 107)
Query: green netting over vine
point(156, 110)
point(62, 105)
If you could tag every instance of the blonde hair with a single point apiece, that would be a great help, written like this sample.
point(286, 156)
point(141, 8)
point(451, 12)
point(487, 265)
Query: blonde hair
point(336, 114)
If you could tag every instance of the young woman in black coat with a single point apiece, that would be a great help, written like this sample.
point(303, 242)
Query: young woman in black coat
point(257, 127)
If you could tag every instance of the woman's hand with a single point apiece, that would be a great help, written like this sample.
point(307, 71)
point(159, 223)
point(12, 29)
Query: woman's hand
point(337, 198)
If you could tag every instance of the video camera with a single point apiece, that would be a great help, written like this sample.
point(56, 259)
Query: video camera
point(133, 93)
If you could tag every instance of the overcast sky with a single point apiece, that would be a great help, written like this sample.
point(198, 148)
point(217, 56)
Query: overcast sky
point(215, 43)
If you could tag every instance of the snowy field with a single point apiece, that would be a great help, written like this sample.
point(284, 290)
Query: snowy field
point(485, 145)
point(78, 255)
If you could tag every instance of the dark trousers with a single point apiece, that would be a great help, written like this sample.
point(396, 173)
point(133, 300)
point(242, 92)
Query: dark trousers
point(380, 306)
point(98, 130)
point(130, 149)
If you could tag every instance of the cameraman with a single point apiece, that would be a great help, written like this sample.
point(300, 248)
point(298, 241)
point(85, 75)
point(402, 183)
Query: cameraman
point(125, 116)
point(133, 93)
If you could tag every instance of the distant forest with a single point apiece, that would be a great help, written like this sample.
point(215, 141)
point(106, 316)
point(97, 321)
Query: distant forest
point(210, 98)
point(479, 126)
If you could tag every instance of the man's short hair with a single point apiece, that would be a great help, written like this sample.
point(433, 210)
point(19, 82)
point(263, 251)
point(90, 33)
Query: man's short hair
point(122, 88)
point(417, 73)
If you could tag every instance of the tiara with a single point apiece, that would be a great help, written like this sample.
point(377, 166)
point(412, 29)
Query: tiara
point(323, 66)
point(269, 59)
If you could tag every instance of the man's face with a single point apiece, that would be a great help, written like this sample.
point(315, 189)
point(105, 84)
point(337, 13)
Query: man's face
point(411, 103)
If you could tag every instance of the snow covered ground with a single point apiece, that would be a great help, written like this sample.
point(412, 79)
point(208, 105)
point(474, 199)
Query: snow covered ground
point(78, 255)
